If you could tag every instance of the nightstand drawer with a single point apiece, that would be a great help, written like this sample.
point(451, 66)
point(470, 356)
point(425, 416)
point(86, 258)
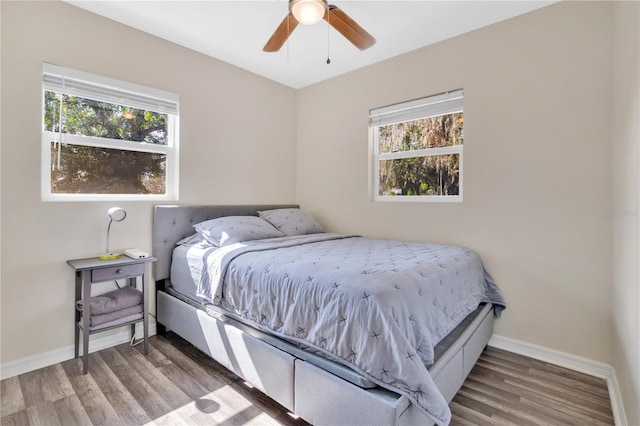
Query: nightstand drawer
point(117, 272)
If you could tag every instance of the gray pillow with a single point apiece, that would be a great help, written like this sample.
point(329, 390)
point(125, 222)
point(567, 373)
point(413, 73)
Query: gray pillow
point(291, 221)
point(227, 230)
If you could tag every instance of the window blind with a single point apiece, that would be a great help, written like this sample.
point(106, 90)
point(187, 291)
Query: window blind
point(91, 86)
point(431, 106)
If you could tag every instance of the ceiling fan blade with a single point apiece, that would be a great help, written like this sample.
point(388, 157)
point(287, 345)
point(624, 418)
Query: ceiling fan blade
point(349, 28)
point(281, 34)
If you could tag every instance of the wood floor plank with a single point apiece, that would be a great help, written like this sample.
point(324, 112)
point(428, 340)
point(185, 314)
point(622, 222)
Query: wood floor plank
point(534, 363)
point(518, 365)
point(493, 391)
point(576, 397)
point(565, 414)
point(172, 418)
point(197, 417)
point(43, 414)
point(234, 408)
point(462, 415)
point(195, 370)
point(586, 388)
point(156, 358)
point(46, 384)
point(206, 411)
point(259, 420)
point(71, 412)
point(506, 411)
point(570, 401)
point(286, 418)
point(206, 362)
point(458, 421)
point(122, 401)
point(258, 398)
point(541, 396)
point(93, 400)
point(154, 376)
point(183, 381)
point(60, 381)
point(12, 398)
point(144, 394)
point(476, 406)
point(550, 385)
point(18, 418)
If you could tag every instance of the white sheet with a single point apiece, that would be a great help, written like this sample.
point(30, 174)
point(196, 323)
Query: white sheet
point(185, 273)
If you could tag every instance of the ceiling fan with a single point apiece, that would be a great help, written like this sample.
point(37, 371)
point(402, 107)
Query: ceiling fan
point(309, 12)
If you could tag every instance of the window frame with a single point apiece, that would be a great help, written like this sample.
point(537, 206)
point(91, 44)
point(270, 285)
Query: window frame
point(431, 106)
point(120, 93)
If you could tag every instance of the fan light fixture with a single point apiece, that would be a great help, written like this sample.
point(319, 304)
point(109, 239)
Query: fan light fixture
point(115, 214)
point(308, 12)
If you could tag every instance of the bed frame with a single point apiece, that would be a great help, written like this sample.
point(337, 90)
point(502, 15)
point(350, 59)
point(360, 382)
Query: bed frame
point(297, 383)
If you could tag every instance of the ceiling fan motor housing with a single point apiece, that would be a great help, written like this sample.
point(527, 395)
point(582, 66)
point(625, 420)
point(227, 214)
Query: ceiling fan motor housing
point(308, 12)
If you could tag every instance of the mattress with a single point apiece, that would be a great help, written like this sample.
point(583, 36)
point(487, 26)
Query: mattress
point(185, 276)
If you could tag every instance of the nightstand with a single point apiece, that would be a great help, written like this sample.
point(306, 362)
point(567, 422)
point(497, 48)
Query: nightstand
point(93, 270)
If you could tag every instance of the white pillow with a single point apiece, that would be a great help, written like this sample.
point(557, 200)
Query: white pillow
point(234, 229)
point(291, 221)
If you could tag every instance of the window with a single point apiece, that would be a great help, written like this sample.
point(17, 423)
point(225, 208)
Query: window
point(417, 149)
point(107, 139)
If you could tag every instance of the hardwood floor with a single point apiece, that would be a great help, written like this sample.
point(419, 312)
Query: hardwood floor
point(175, 384)
point(505, 388)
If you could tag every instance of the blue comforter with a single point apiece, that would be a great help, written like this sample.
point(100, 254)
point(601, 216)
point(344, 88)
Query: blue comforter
point(377, 306)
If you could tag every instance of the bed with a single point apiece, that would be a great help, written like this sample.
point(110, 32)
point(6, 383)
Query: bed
point(330, 326)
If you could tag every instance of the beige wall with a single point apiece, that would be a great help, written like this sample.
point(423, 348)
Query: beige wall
point(626, 205)
point(537, 164)
point(237, 146)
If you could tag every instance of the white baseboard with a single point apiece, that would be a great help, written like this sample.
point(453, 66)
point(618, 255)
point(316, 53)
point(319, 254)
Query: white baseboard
point(572, 362)
point(31, 363)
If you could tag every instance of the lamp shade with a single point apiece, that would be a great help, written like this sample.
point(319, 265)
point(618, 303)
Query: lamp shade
point(117, 214)
point(308, 12)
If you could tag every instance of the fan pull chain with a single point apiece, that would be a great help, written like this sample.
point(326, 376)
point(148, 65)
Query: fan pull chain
point(328, 34)
point(288, 34)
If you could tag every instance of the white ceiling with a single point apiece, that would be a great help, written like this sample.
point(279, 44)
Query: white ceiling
point(236, 31)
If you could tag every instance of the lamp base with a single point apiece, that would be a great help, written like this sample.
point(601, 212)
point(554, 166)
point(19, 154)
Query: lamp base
point(109, 256)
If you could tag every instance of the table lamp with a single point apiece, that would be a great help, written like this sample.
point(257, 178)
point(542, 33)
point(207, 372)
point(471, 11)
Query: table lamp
point(115, 214)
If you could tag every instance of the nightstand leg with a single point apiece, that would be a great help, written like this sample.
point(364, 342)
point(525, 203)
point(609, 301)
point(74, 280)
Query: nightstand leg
point(76, 313)
point(77, 339)
point(133, 283)
point(86, 316)
point(145, 309)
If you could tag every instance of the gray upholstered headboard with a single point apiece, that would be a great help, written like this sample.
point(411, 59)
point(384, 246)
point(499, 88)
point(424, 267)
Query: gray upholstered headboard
point(172, 223)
